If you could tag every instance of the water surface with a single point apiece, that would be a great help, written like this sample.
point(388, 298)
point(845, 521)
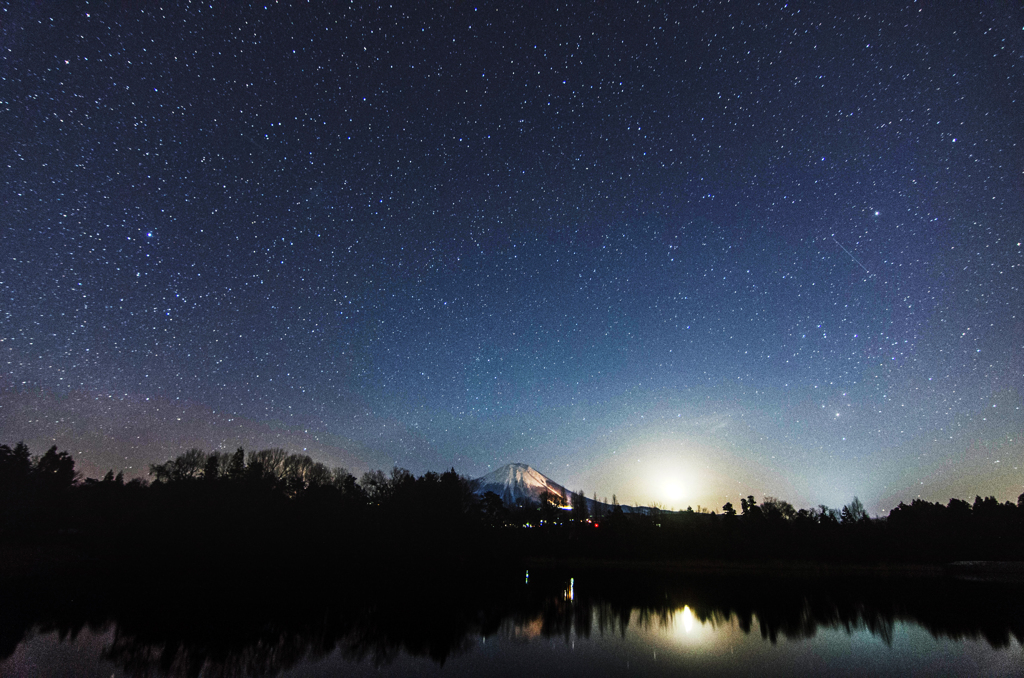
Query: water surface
point(554, 622)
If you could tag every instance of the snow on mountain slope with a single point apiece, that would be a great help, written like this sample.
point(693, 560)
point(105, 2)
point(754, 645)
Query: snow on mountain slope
point(516, 483)
point(521, 483)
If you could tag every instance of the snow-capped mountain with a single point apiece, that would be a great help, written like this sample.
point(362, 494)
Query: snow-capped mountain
point(516, 483)
point(521, 483)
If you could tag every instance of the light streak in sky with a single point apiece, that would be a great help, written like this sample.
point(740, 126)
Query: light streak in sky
point(851, 256)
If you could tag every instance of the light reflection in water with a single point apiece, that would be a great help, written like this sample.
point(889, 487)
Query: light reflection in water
point(687, 627)
point(869, 627)
point(687, 618)
point(681, 641)
point(608, 634)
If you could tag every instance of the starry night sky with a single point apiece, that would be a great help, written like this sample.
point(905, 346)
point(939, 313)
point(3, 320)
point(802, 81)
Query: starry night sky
point(681, 254)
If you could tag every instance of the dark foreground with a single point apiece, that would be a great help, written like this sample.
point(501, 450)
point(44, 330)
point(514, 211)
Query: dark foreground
point(234, 565)
point(207, 620)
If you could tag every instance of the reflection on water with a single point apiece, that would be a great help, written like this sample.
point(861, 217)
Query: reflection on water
point(686, 615)
point(460, 624)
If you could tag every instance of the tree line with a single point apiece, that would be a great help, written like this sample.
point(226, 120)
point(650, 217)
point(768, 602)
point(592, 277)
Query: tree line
point(271, 506)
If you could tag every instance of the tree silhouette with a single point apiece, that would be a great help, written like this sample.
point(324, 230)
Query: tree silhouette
point(267, 465)
point(56, 471)
point(211, 470)
point(15, 464)
point(579, 506)
point(346, 483)
point(751, 511)
point(187, 466)
point(496, 514)
point(777, 509)
point(236, 466)
point(15, 468)
point(217, 507)
point(376, 486)
point(854, 512)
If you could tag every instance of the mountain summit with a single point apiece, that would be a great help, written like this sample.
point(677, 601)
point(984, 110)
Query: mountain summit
point(516, 483)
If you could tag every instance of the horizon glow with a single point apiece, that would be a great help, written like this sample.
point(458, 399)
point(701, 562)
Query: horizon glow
point(676, 254)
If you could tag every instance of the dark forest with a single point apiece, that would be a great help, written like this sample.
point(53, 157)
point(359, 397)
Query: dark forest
point(271, 508)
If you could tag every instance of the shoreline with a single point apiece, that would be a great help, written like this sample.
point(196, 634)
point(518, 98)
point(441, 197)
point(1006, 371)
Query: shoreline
point(773, 568)
point(21, 561)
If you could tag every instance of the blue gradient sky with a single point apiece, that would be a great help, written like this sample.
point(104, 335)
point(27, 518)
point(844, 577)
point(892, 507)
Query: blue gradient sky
point(681, 254)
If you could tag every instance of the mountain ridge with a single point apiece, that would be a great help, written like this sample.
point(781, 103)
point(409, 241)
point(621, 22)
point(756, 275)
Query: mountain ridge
point(520, 483)
point(517, 483)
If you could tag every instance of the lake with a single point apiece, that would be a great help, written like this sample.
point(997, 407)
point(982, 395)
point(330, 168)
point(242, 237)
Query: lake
point(546, 621)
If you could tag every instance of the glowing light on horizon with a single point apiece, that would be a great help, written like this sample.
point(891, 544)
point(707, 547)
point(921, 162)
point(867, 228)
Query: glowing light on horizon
point(668, 473)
